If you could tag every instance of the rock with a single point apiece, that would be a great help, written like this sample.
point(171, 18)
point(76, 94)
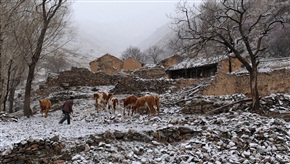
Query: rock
point(155, 143)
point(87, 148)
point(55, 138)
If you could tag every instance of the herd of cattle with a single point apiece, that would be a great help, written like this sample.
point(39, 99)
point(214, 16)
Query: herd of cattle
point(107, 101)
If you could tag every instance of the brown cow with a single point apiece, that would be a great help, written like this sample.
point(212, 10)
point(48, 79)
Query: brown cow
point(101, 99)
point(147, 102)
point(113, 103)
point(45, 105)
point(128, 102)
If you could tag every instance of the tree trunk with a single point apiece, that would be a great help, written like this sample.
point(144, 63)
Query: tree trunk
point(48, 11)
point(11, 97)
point(27, 110)
point(254, 89)
point(6, 85)
point(15, 80)
point(1, 49)
point(230, 65)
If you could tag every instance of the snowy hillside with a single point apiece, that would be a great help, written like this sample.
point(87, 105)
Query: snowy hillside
point(160, 38)
point(154, 38)
point(94, 40)
point(174, 137)
point(85, 48)
point(113, 39)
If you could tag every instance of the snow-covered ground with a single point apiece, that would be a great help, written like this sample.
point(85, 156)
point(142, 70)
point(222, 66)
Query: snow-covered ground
point(84, 121)
point(233, 137)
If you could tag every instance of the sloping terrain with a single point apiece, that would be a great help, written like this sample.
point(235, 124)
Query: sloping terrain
point(232, 136)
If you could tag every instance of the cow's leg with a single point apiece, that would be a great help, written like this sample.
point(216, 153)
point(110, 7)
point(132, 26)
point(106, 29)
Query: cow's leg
point(124, 111)
point(157, 109)
point(46, 113)
point(114, 106)
point(104, 105)
point(98, 105)
point(133, 110)
point(109, 107)
point(42, 112)
point(151, 109)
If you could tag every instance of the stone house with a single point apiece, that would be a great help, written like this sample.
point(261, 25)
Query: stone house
point(131, 64)
point(107, 63)
point(203, 67)
point(112, 65)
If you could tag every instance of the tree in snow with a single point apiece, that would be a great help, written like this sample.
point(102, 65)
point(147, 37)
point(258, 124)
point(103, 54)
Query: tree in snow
point(239, 26)
point(278, 43)
point(56, 62)
point(135, 53)
point(153, 53)
point(44, 25)
point(11, 68)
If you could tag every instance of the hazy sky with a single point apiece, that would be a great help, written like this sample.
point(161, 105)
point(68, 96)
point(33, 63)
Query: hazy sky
point(135, 18)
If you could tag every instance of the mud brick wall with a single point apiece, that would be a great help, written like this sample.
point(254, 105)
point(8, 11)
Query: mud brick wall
point(276, 81)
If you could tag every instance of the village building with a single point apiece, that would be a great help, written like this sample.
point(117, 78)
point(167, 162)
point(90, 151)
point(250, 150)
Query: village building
point(170, 61)
point(203, 67)
point(131, 64)
point(112, 65)
point(107, 63)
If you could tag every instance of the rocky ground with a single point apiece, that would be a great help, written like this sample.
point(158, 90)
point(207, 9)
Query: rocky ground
point(178, 135)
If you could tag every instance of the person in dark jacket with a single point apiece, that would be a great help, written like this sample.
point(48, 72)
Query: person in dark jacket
point(67, 110)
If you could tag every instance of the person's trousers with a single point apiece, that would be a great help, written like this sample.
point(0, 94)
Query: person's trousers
point(65, 117)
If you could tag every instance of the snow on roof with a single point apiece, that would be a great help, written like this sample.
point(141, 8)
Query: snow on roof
point(197, 62)
point(275, 62)
point(269, 65)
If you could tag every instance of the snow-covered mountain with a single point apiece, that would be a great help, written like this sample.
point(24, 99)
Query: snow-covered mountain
point(160, 38)
point(155, 37)
point(93, 40)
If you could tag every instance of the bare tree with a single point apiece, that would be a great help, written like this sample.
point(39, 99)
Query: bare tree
point(44, 24)
point(153, 53)
point(28, 29)
point(15, 73)
point(56, 63)
point(135, 53)
point(278, 43)
point(239, 26)
point(8, 10)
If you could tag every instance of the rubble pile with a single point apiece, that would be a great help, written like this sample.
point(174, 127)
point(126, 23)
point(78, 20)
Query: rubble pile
point(4, 117)
point(176, 136)
point(235, 137)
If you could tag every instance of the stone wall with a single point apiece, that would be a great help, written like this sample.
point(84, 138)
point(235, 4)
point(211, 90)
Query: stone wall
point(150, 73)
point(137, 85)
point(276, 81)
point(55, 151)
point(82, 77)
point(152, 80)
